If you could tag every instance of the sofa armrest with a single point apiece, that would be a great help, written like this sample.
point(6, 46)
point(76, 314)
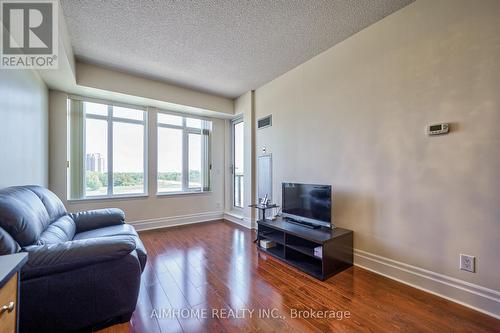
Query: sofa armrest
point(56, 258)
point(99, 218)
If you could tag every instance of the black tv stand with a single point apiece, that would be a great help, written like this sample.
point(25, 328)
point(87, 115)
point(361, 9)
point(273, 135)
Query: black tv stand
point(302, 223)
point(295, 245)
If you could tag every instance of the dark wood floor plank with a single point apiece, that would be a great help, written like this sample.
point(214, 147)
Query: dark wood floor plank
point(161, 304)
point(215, 265)
point(376, 311)
point(141, 320)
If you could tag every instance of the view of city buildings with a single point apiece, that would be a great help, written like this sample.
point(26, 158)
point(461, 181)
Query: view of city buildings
point(95, 162)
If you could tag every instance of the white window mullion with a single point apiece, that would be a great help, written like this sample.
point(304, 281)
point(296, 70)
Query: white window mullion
point(110, 150)
point(146, 151)
point(205, 157)
point(185, 156)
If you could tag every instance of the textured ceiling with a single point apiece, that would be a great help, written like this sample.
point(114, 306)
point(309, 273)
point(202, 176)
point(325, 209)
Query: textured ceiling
point(219, 46)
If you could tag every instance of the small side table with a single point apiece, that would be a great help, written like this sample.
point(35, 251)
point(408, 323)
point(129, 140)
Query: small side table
point(10, 265)
point(262, 214)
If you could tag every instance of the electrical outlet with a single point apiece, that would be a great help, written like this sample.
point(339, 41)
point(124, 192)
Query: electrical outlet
point(467, 263)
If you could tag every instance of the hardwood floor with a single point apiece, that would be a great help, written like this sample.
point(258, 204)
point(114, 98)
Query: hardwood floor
point(215, 265)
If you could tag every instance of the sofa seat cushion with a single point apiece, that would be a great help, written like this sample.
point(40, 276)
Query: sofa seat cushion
point(114, 230)
point(55, 258)
point(120, 229)
point(62, 230)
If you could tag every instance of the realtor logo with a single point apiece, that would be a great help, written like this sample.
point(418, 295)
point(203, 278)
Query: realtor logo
point(29, 34)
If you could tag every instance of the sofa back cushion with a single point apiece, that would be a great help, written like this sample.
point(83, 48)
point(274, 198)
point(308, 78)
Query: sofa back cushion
point(22, 214)
point(54, 206)
point(61, 230)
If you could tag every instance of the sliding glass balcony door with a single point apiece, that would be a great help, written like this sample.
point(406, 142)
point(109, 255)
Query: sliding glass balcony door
point(237, 167)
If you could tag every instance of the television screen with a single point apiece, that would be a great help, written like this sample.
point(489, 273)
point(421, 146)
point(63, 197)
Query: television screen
point(307, 202)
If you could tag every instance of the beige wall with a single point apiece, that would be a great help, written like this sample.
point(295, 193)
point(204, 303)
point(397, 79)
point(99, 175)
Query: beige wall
point(23, 128)
point(355, 117)
point(127, 85)
point(186, 206)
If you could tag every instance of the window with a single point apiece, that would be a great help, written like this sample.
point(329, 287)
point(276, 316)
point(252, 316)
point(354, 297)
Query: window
point(237, 165)
point(108, 149)
point(96, 157)
point(169, 159)
point(194, 161)
point(183, 153)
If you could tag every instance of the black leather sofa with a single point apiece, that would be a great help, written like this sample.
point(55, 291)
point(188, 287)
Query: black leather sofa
point(83, 270)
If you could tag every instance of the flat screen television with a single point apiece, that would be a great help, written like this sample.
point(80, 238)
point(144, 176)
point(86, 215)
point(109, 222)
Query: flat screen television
point(307, 203)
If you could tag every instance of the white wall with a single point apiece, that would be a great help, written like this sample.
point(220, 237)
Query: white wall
point(355, 117)
point(147, 212)
point(23, 128)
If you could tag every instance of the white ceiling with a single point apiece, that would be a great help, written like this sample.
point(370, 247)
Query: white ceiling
point(225, 47)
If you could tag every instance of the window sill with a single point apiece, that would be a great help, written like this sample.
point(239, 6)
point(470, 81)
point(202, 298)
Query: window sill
point(113, 198)
point(173, 194)
point(135, 197)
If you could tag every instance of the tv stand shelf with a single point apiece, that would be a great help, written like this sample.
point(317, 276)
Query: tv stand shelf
point(295, 245)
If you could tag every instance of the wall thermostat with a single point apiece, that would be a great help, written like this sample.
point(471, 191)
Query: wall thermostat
point(437, 129)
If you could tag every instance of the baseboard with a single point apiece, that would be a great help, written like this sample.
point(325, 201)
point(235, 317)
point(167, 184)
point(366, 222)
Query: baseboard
point(243, 221)
point(468, 294)
point(173, 221)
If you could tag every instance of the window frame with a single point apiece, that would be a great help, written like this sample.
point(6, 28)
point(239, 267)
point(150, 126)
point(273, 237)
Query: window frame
point(186, 130)
point(110, 120)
